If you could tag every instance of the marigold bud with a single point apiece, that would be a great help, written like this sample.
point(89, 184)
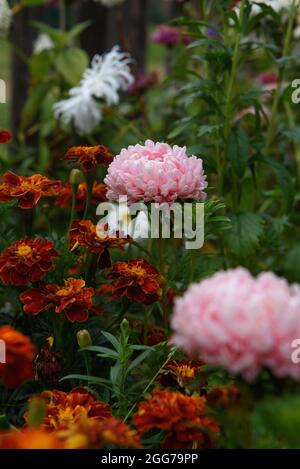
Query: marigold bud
point(75, 177)
point(84, 338)
point(37, 411)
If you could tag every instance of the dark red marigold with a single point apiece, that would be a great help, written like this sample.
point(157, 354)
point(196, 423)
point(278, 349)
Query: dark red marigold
point(138, 280)
point(26, 261)
point(47, 365)
point(181, 417)
point(27, 189)
point(19, 352)
point(84, 233)
point(71, 298)
point(64, 409)
point(5, 136)
point(89, 157)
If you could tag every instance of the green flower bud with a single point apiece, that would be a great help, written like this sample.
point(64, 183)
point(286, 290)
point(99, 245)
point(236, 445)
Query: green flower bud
point(84, 338)
point(75, 177)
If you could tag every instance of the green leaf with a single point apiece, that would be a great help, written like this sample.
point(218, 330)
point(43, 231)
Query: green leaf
point(293, 134)
point(292, 264)
point(90, 379)
point(238, 150)
point(285, 181)
point(207, 129)
point(71, 63)
point(33, 103)
point(243, 238)
point(4, 206)
point(105, 351)
point(139, 359)
point(112, 339)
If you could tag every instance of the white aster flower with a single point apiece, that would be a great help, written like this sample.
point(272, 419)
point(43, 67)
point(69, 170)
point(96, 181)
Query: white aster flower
point(110, 3)
point(42, 42)
point(5, 18)
point(100, 85)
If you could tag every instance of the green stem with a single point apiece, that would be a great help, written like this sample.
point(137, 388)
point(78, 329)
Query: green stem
point(89, 190)
point(228, 104)
point(285, 51)
point(62, 15)
point(147, 312)
point(73, 205)
point(292, 123)
point(170, 356)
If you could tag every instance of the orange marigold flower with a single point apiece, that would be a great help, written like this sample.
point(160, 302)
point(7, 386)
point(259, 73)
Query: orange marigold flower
point(138, 280)
point(30, 438)
point(72, 298)
point(181, 417)
point(19, 357)
point(84, 233)
point(64, 199)
point(64, 409)
point(27, 189)
point(223, 396)
point(5, 136)
point(94, 434)
point(89, 157)
point(182, 371)
point(26, 261)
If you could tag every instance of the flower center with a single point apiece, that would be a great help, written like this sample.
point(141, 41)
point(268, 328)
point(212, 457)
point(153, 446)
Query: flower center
point(24, 250)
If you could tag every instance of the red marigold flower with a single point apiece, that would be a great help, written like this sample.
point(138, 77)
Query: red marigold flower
point(64, 409)
point(89, 157)
point(27, 189)
point(30, 438)
point(5, 136)
point(64, 199)
point(84, 233)
point(19, 357)
point(181, 417)
point(138, 280)
point(94, 434)
point(72, 298)
point(26, 261)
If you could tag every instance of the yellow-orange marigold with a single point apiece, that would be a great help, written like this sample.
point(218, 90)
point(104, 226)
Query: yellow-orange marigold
point(181, 417)
point(27, 189)
point(64, 409)
point(72, 298)
point(19, 352)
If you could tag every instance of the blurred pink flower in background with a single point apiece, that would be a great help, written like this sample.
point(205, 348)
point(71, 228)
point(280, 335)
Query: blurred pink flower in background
point(240, 322)
point(171, 35)
point(155, 172)
point(142, 82)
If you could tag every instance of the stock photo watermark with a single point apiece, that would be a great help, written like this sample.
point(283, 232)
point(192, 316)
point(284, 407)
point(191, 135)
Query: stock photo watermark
point(2, 351)
point(153, 220)
point(2, 92)
point(296, 92)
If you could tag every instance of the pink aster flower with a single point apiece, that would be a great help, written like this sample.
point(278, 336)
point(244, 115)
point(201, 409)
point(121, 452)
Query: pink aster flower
point(240, 322)
point(170, 35)
point(155, 172)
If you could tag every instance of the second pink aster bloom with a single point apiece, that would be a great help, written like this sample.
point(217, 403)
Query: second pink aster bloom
point(241, 323)
point(155, 172)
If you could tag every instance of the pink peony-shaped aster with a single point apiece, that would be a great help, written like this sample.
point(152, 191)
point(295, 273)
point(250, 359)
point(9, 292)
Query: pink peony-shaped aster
point(240, 322)
point(155, 172)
